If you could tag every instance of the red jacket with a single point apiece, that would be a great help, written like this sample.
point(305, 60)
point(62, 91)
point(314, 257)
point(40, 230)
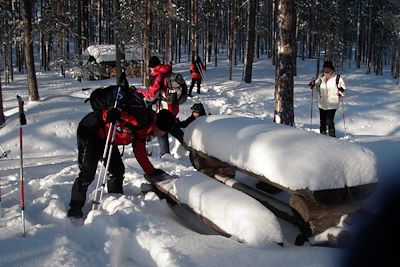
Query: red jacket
point(125, 135)
point(193, 68)
point(157, 82)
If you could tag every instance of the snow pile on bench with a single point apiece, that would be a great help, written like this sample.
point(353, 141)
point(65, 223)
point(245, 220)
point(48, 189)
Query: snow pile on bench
point(237, 214)
point(291, 157)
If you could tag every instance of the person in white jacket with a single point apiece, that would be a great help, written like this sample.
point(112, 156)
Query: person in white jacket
point(331, 88)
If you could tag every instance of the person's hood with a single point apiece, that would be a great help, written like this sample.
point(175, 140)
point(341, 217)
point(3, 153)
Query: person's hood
point(162, 69)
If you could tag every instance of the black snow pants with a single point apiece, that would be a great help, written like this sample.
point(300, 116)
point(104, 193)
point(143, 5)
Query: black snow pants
point(90, 151)
point(327, 119)
point(195, 81)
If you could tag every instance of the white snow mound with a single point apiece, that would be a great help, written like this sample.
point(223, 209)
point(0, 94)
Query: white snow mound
point(293, 158)
point(239, 215)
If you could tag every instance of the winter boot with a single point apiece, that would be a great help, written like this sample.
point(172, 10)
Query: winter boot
point(75, 212)
point(78, 198)
point(114, 186)
point(322, 130)
point(332, 132)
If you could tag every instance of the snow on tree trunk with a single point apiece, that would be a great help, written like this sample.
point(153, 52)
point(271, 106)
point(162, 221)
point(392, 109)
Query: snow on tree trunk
point(284, 72)
point(28, 49)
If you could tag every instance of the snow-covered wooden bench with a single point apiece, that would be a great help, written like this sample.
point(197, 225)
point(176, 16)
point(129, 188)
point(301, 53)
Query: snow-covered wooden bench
point(325, 177)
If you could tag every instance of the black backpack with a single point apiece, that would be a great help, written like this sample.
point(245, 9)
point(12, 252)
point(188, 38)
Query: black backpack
point(176, 91)
point(129, 101)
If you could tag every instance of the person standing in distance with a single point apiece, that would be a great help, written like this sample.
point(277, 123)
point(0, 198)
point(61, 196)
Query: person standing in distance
point(331, 88)
point(196, 69)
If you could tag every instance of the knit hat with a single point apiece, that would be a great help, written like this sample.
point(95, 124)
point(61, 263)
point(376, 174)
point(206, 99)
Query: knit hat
point(328, 64)
point(199, 108)
point(165, 120)
point(154, 61)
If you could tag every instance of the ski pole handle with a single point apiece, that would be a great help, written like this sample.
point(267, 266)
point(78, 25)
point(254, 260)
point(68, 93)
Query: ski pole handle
point(22, 118)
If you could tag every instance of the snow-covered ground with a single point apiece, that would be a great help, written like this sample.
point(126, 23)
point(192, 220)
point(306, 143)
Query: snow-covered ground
point(141, 230)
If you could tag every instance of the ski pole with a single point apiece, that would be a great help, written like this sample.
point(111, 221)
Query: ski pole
point(344, 120)
point(110, 136)
point(22, 121)
point(312, 104)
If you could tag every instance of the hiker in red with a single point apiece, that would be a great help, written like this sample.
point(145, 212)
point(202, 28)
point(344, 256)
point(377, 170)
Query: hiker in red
point(196, 69)
point(158, 85)
point(92, 134)
point(155, 94)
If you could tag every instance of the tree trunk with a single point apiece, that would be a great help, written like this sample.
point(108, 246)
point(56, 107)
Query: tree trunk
point(170, 46)
point(119, 47)
point(284, 78)
point(396, 63)
point(359, 39)
point(100, 21)
point(318, 52)
point(369, 41)
point(78, 49)
point(195, 28)
point(274, 32)
point(231, 16)
point(250, 41)
point(2, 117)
point(147, 42)
point(28, 48)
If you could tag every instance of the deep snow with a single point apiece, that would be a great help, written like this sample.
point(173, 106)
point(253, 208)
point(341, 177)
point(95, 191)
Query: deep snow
point(137, 230)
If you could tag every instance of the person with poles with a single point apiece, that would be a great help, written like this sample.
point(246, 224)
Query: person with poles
point(196, 71)
point(91, 135)
point(156, 93)
point(331, 88)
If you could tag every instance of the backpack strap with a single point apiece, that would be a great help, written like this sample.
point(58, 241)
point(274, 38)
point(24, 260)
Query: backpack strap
point(337, 80)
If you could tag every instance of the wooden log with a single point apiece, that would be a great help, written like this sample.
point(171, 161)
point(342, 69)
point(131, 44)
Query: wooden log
point(331, 196)
point(319, 217)
point(210, 165)
point(361, 192)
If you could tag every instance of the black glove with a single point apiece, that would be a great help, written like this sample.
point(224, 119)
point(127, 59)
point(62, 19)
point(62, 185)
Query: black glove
point(113, 115)
point(312, 83)
point(157, 176)
point(340, 91)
